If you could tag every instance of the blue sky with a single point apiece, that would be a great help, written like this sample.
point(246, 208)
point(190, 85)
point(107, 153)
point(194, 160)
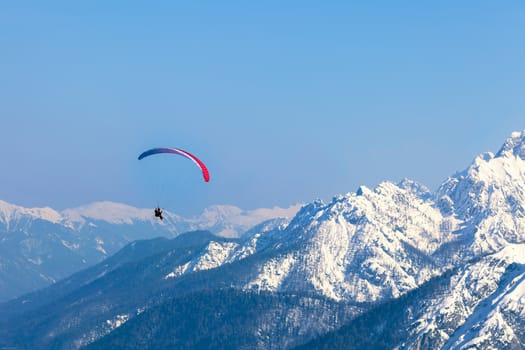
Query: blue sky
point(285, 101)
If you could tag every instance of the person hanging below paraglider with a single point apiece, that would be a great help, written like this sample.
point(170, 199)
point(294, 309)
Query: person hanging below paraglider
point(158, 213)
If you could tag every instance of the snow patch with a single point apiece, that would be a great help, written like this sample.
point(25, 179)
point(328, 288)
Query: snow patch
point(214, 255)
point(70, 246)
point(117, 321)
point(272, 274)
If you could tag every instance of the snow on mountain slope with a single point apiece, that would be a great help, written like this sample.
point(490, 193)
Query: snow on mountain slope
point(214, 255)
point(489, 197)
point(219, 252)
point(483, 308)
point(492, 322)
point(514, 145)
point(364, 246)
point(10, 213)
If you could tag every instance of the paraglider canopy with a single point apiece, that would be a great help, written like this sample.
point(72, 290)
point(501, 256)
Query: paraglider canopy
point(180, 152)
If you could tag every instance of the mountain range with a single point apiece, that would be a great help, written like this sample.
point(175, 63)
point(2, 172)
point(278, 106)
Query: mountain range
point(39, 246)
point(394, 267)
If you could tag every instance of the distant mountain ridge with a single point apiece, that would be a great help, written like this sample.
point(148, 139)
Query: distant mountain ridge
point(39, 246)
point(397, 266)
point(223, 220)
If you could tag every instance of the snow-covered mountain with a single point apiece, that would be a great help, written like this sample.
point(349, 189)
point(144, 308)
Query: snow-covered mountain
point(223, 220)
point(489, 198)
point(374, 245)
point(360, 247)
point(377, 244)
point(39, 246)
point(448, 266)
point(484, 306)
point(363, 246)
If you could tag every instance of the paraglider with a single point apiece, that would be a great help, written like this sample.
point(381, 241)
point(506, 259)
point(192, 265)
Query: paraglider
point(180, 152)
point(158, 213)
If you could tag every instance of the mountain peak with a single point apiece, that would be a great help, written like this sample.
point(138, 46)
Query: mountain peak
point(514, 146)
point(116, 213)
point(9, 212)
point(415, 187)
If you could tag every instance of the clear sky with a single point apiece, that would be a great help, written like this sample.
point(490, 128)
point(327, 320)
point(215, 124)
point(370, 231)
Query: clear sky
point(285, 101)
